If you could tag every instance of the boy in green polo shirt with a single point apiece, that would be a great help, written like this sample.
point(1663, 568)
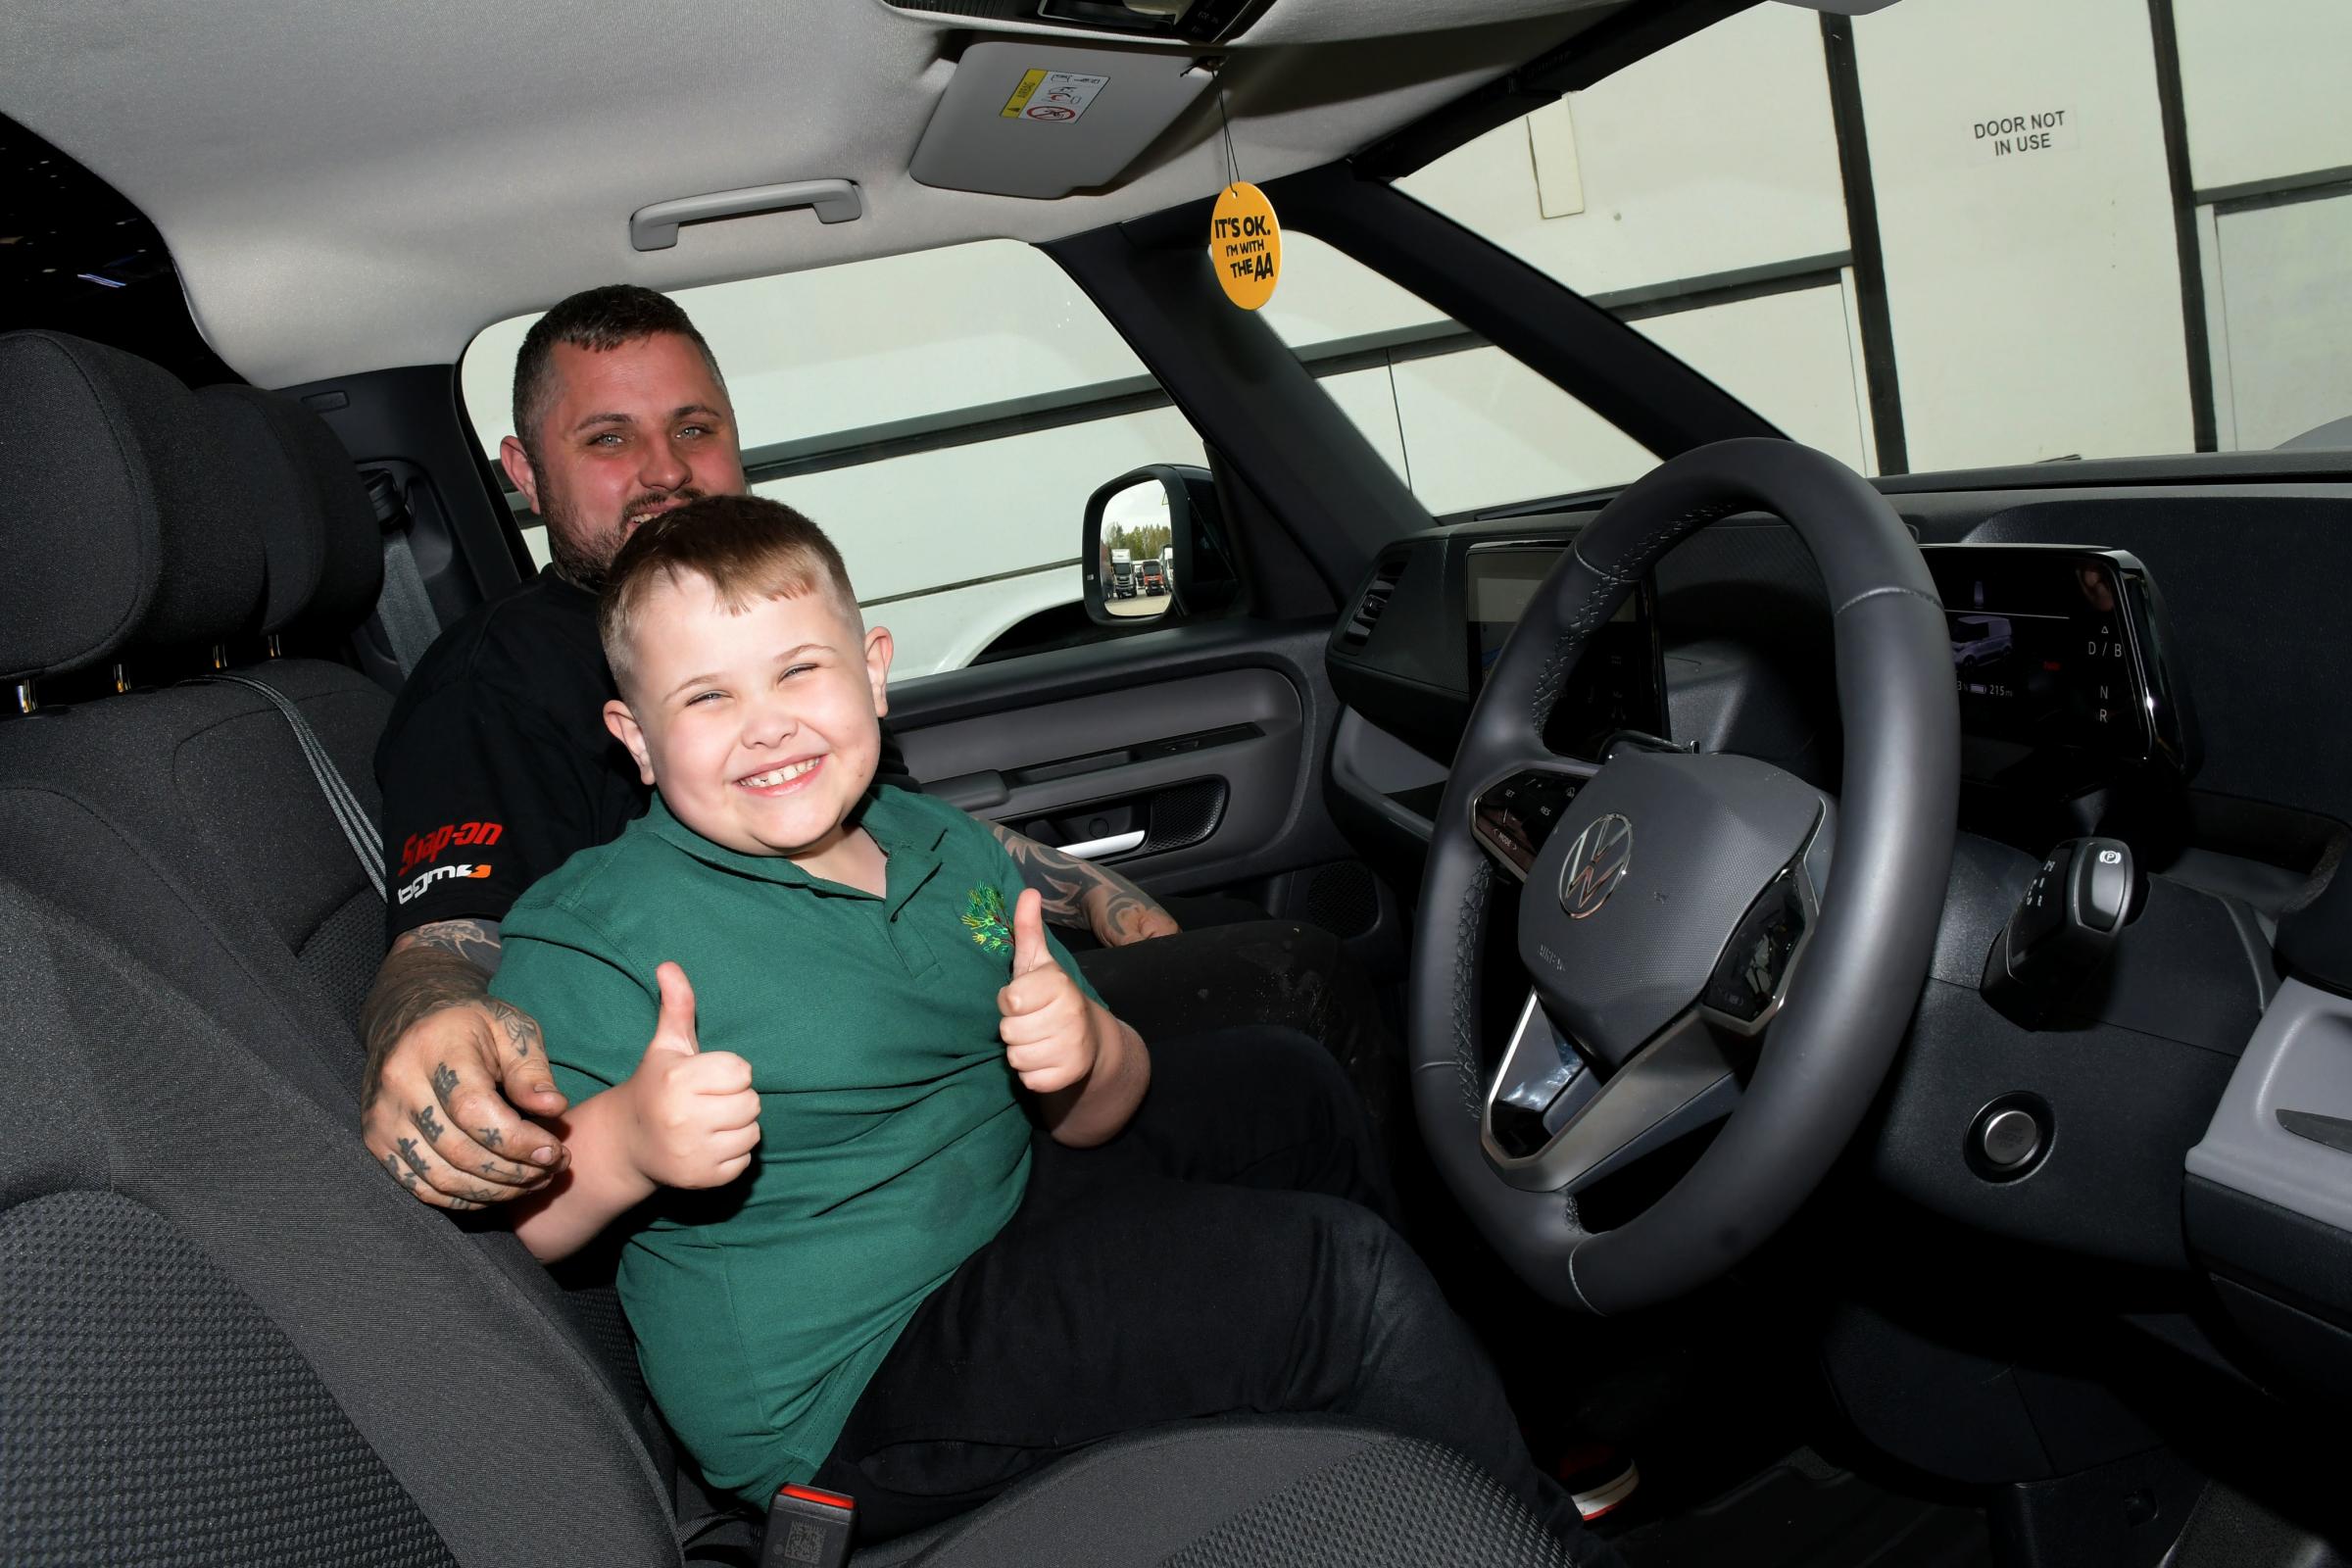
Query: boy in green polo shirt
point(873, 1240)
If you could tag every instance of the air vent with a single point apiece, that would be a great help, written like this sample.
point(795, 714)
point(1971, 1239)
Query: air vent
point(1375, 600)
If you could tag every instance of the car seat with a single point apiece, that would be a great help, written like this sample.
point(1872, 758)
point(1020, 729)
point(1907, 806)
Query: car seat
point(225, 1336)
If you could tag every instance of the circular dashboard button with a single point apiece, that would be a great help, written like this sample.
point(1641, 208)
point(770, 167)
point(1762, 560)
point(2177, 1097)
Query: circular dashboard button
point(2010, 1138)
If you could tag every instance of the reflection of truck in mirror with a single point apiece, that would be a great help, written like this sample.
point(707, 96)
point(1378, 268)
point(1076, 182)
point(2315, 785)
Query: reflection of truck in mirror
point(1167, 565)
point(1122, 575)
point(1152, 577)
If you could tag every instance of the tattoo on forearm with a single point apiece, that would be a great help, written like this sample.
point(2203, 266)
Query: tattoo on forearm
point(1064, 883)
point(427, 1123)
point(478, 942)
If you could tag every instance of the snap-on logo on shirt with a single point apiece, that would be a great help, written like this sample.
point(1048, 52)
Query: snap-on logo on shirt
point(423, 847)
point(439, 873)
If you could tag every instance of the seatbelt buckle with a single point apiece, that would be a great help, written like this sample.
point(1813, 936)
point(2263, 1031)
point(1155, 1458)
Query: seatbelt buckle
point(807, 1529)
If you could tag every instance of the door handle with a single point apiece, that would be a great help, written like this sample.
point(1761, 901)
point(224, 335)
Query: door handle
point(655, 227)
point(1097, 849)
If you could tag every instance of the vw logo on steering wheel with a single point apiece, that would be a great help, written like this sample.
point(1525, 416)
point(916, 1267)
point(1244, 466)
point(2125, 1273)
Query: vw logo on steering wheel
point(1596, 862)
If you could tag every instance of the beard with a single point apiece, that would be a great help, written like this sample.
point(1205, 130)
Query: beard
point(581, 551)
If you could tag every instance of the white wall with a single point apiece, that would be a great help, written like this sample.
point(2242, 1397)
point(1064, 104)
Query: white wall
point(1795, 358)
point(1714, 156)
point(2035, 298)
point(2264, 84)
point(2281, 319)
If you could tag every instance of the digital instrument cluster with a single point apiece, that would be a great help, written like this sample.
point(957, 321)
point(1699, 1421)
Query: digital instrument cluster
point(1618, 682)
point(2057, 654)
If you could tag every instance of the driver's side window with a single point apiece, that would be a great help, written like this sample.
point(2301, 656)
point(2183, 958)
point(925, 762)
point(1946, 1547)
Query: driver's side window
point(943, 416)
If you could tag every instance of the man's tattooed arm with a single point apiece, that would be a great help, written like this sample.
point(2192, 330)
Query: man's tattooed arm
point(451, 1062)
point(1086, 895)
point(444, 965)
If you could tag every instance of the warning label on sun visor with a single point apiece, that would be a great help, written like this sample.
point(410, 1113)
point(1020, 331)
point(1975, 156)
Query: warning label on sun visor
point(1052, 97)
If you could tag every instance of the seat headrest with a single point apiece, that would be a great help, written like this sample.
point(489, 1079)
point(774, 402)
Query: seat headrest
point(324, 545)
point(121, 526)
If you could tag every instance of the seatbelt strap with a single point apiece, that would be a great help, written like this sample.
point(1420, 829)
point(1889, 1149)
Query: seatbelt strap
point(366, 845)
point(402, 608)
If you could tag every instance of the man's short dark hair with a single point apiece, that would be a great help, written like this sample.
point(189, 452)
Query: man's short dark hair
point(599, 319)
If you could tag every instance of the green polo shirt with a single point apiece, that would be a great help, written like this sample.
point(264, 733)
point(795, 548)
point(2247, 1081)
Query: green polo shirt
point(892, 1145)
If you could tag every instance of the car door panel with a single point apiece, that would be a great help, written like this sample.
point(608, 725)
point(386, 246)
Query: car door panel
point(1208, 740)
point(1192, 770)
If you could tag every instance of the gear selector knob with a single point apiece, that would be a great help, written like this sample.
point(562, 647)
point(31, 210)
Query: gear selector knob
point(2081, 896)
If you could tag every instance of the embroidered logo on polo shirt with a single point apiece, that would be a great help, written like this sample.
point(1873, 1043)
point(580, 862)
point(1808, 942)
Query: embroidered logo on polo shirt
point(984, 918)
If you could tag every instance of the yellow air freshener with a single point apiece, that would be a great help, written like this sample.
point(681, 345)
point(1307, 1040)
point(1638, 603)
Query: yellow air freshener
point(1245, 245)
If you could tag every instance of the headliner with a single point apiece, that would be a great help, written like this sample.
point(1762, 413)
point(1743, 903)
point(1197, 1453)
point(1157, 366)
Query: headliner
point(347, 188)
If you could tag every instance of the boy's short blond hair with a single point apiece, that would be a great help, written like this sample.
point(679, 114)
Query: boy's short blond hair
point(748, 548)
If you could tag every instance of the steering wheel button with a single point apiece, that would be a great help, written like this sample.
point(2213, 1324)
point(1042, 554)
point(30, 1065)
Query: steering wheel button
point(1754, 962)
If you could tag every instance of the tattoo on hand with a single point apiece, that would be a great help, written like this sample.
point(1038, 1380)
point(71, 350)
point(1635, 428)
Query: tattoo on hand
point(489, 1136)
point(445, 1082)
point(400, 1173)
point(408, 1151)
point(522, 1030)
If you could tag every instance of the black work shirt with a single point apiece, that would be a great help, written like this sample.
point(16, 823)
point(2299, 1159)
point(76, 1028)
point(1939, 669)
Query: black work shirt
point(496, 766)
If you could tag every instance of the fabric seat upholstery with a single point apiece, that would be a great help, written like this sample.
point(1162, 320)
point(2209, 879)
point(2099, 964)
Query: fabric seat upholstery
point(224, 1336)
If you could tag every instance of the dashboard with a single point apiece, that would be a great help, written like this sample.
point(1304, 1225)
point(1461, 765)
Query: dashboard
point(2060, 656)
point(2155, 663)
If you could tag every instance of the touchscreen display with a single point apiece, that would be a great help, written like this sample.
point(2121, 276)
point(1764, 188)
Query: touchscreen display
point(1616, 684)
point(2042, 654)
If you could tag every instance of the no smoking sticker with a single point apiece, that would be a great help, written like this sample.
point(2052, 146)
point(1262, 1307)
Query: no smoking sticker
point(1245, 245)
point(1051, 97)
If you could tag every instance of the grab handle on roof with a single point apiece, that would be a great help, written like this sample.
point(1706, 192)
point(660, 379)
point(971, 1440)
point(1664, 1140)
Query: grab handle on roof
point(655, 227)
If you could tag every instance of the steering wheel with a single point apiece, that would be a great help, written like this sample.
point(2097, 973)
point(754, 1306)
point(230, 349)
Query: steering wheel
point(1708, 936)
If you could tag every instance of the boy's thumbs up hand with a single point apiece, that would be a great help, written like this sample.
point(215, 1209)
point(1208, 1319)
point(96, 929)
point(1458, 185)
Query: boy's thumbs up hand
point(1048, 1026)
point(694, 1115)
point(673, 1027)
point(1029, 951)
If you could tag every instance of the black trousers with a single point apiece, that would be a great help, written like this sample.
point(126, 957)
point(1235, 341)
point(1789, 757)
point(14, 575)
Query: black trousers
point(1225, 1254)
point(1230, 966)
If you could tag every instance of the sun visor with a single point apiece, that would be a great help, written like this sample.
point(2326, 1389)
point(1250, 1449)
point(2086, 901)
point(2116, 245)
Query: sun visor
point(1042, 120)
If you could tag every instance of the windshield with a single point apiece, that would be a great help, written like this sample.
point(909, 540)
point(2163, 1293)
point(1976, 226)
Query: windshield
point(1942, 235)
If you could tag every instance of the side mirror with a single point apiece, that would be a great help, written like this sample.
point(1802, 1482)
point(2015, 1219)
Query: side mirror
point(1154, 540)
